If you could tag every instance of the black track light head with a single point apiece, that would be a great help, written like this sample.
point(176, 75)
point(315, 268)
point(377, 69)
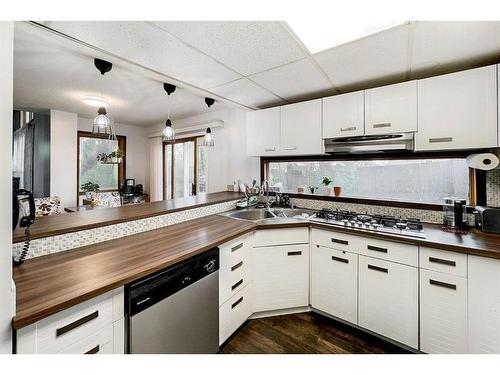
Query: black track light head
point(102, 65)
point(209, 102)
point(169, 88)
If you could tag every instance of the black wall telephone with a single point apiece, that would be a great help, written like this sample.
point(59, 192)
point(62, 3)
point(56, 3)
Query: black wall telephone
point(23, 204)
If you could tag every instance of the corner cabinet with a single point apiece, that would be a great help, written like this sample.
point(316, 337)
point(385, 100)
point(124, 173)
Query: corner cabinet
point(263, 132)
point(458, 110)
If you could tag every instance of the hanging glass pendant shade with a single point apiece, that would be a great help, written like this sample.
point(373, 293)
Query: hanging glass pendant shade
point(208, 140)
point(168, 134)
point(101, 123)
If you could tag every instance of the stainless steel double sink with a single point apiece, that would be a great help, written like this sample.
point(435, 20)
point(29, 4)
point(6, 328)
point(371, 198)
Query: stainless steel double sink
point(271, 215)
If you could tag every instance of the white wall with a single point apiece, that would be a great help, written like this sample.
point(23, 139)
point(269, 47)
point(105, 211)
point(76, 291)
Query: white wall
point(6, 80)
point(63, 158)
point(227, 160)
point(137, 156)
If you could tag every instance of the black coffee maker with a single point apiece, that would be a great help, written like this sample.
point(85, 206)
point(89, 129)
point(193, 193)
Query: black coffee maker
point(454, 213)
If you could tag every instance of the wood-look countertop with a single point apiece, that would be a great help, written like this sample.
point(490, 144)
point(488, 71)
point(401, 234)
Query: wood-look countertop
point(49, 284)
point(72, 222)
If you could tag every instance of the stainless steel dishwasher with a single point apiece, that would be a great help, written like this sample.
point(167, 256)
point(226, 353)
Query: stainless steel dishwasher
point(177, 309)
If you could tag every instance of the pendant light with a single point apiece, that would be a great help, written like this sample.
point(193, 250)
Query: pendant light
point(102, 123)
point(208, 140)
point(168, 134)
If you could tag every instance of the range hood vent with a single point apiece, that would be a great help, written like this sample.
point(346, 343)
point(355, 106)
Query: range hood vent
point(371, 143)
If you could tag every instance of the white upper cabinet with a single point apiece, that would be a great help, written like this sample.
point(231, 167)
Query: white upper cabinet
point(343, 115)
point(301, 128)
point(263, 132)
point(391, 109)
point(458, 110)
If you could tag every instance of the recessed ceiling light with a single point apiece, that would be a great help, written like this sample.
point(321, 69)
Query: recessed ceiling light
point(318, 36)
point(95, 101)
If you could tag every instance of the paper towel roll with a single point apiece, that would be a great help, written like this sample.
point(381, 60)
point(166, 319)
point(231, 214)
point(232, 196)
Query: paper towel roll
point(486, 161)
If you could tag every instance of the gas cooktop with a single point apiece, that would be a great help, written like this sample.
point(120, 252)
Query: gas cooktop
point(377, 223)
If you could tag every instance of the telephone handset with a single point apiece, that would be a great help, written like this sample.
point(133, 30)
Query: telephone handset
point(24, 206)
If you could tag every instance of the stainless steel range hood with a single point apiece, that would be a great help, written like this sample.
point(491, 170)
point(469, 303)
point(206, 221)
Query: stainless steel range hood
point(371, 143)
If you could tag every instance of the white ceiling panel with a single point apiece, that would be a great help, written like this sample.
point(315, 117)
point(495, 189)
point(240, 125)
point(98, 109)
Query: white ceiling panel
point(295, 81)
point(245, 91)
point(437, 45)
point(247, 47)
point(149, 46)
point(381, 56)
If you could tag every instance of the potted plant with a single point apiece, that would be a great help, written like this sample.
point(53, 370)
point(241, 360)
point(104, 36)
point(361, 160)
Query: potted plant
point(102, 157)
point(326, 182)
point(116, 156)
point(90, 189)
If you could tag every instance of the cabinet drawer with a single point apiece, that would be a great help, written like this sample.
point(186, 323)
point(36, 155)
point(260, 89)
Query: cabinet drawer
point(232, 279)
point(391, 251)
point(67, 327)
point(100, 342)
point(234, 250)
point(443, 261)
point(335, 240)
point(443, 313)
point(233, 313)
point(272, 237)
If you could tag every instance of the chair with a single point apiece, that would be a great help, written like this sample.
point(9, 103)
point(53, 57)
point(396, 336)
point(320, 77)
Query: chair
point(48, 206)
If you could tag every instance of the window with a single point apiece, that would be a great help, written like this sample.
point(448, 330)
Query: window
point(185, 168)
point(107, 176)
point(407, 180)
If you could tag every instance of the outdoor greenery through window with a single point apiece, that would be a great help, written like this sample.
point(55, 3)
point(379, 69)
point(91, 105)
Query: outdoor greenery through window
point(408, 180)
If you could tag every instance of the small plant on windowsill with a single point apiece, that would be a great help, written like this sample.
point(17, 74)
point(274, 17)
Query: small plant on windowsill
point(326, 182)
point(89, 188)
point(115, 157)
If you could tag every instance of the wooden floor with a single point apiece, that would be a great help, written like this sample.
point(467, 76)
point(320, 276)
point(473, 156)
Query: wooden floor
point(301, 334)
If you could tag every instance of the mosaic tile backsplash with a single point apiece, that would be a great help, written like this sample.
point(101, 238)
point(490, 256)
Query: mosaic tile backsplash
point(493, 188)
point(68, 241)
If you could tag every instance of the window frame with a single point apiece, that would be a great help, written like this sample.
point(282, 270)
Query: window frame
point(122, 167)
point(476, 179)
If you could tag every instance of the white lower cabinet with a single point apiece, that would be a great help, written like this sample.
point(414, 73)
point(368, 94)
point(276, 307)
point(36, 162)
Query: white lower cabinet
point(443, 313)
point(388, 299)
point(280, 277)
point(334, 282)
point(234, 312)
point(484, 305)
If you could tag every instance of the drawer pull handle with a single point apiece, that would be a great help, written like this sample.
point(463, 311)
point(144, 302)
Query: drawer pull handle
point(94, 350)
point(77, 323)
point(444, 285)
point(237, 303)
point(451, 263)
point(348, 129)
point(342, 242)
point(237, 284)
point(343, 260)
point(380, 269)
point(376, 248)
point(237, 247)
point(382, 125)
point(441, 140)
point(270, 149)
point(291, 253)
point(291, 148)
point(236, 266)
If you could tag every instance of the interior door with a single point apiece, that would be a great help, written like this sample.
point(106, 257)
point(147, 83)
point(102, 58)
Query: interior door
point(180, 166)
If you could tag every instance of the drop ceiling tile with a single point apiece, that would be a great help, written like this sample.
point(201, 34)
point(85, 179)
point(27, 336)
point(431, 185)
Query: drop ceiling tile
point(437, 45)
point(151, 47)
point(294, 81)
point(378, 57)
point(247, 93)
point(247, 47)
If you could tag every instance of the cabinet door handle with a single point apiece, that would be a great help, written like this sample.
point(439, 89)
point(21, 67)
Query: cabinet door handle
point(77, 323)
point(291, 148)
point(237, 247)
point(236, 266)
point(444, 285)
point(343, 260)
point(237, 303)
point(94, 350)
point(342, 242)
point(376, 248)
point(443, 261)
point(382, 125)
point(237, 284)
point(270, 149)
point(376, 268)
point(348, 129)
point(441, 140)
point(291, 253)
